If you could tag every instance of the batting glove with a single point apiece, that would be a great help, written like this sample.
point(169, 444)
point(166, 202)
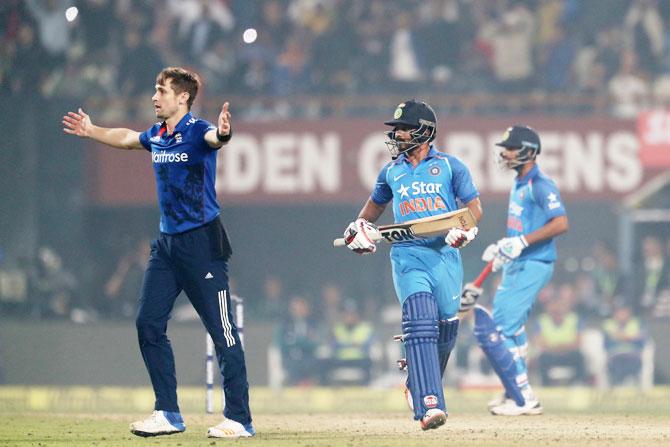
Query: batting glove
point(509, 248)
point(459, 238)
point(469, 297)
point(360, 237)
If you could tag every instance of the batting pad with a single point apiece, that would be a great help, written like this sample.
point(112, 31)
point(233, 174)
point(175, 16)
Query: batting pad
point(501, 359)
point(446, 341)
point(420, 334)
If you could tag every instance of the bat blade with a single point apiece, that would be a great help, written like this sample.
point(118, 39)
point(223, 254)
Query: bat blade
point(423, 228)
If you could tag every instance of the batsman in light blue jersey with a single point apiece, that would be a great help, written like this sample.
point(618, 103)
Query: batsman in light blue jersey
point(526, 256)
point(427, 273)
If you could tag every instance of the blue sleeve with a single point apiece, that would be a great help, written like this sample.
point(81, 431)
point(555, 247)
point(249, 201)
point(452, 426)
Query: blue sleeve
point(144, 139)
point(461, 181)
point(548, 198)
point(201, 127)
point(382, 193)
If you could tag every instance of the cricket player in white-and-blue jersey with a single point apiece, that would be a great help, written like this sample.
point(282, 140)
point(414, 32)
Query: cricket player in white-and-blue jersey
point(427, 273)
point(191, 252)
point(535, 216)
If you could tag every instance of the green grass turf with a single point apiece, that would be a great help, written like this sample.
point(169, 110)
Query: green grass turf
point(344, 417)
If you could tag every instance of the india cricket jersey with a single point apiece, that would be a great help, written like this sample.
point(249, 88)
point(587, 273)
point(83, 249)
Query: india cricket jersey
point(185, 169)
point(534, 201)
point(432, 188)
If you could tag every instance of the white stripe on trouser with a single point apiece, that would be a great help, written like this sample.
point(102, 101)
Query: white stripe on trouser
point(225, 323)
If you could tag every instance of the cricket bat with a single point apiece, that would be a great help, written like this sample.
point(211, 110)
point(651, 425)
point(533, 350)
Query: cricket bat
point(473, 290)
point(423, 228)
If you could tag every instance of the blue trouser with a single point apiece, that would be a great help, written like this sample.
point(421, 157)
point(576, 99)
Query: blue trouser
point(196, 262)
point(521, 282)
point(424, 269)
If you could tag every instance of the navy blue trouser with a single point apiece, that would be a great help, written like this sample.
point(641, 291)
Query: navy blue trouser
point(195, 261)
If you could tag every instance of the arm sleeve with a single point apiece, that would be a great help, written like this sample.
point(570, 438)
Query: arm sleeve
point(144, 139)
point(201, 127)
point(548, 198)
point(382, 193)
point(461, 180)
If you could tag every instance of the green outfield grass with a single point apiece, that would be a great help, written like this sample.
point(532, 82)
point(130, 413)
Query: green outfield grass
point(79, 416)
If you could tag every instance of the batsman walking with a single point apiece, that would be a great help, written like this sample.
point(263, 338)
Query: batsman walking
point(427, 273)
point(526, 256)
point(191, 252)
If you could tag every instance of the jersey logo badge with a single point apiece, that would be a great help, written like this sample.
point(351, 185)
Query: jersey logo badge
point(397, 177)
point(553, 201)
point(155, 139)
point(177, 137)
point(209, 275)
point(403, 191)
point(435, 170)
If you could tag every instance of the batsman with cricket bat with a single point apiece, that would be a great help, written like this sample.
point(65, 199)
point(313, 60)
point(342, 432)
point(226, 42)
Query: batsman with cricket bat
point(526, 256)
point(427, 272)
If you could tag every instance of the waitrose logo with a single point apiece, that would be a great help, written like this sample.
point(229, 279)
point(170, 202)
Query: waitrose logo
point(169, 157)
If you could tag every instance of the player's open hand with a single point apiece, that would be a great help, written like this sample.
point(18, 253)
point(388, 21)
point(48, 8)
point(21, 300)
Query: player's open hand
point(223, 123)
point(78, 123)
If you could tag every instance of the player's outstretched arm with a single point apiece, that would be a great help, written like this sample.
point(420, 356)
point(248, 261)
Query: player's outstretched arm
point(223, 132)
point(79, 124)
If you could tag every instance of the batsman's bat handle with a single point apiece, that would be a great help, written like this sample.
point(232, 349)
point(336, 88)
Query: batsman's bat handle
point(483, 275)
point(339, 242)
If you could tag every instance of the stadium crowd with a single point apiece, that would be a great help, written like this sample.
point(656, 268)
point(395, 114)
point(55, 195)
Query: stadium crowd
point(315, 58)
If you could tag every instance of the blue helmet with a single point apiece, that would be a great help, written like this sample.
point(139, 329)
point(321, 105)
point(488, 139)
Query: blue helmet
point(522, 139)
point(416, 116)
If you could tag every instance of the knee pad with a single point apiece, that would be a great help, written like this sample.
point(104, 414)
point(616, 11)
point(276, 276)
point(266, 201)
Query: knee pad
point(420, 335)
point(501, 359)
point(446, 340)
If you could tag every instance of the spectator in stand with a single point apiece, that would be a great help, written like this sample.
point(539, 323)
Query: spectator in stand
point(645, 34)
point(273, 306)
point(587, 300)
point(558, 338)
point(654, 274)
point(351, 342)
point(511, 41)
point(297, 339)
point(54, 31)
point(624, 342)
point(629, 91)
point(52, 286)
point(608, 277)
point(121, 289)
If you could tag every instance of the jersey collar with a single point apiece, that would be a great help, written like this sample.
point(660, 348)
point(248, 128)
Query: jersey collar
point(181, 125)
point(529, 175)
point(432, 152)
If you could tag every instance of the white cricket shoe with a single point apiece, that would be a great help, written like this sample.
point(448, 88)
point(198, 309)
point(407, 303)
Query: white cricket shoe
point(433, 418)
point(159, 423)
point(497, 401)
point(231, 429)
point(510, 408)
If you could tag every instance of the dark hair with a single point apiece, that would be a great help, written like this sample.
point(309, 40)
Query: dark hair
point(182, 81)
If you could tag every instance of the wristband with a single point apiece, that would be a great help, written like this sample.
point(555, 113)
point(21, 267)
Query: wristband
point(224, 138)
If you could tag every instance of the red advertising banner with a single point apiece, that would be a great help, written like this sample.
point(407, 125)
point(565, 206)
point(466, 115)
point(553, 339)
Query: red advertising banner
point(331, 161)
point(653, 129)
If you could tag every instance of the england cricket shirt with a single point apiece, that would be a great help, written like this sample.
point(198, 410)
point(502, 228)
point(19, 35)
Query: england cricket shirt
point(185, 169)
